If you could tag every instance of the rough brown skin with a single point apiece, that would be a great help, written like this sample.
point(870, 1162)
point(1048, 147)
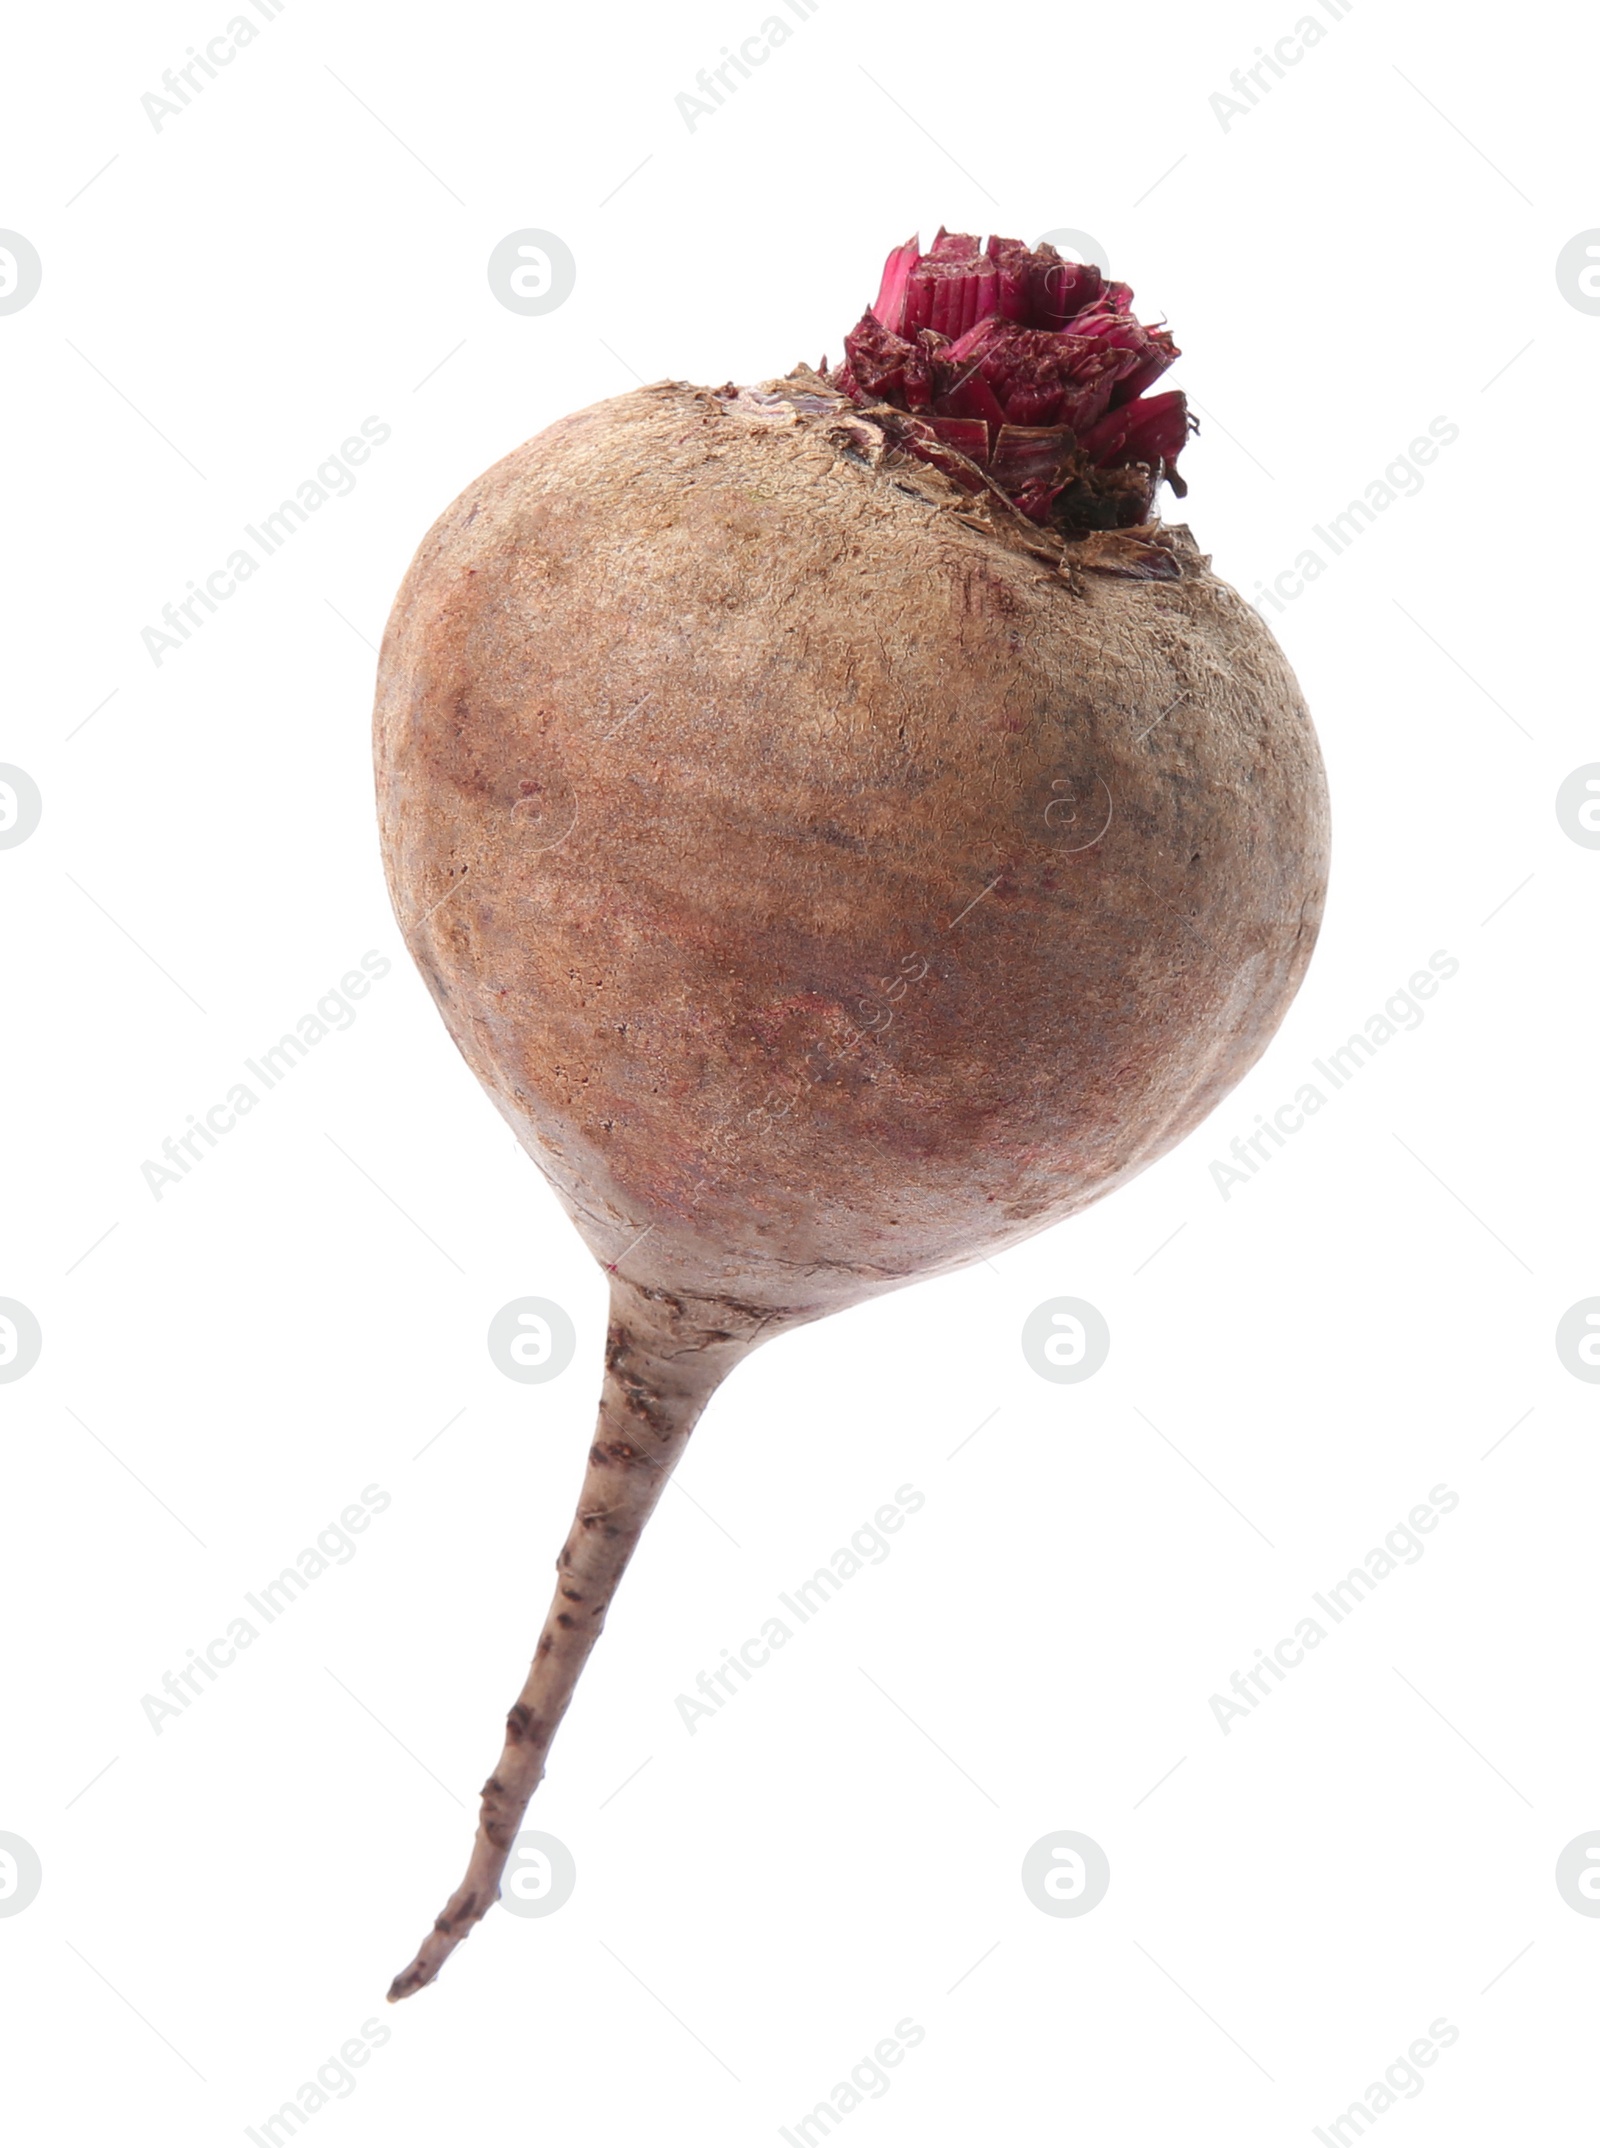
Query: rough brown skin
point(832, 878)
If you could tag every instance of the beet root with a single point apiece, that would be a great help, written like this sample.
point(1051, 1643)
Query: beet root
point(832, 874)
point(660, 1372)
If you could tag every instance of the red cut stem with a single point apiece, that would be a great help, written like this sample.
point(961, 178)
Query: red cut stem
point(663, 1364)
point(890, 304)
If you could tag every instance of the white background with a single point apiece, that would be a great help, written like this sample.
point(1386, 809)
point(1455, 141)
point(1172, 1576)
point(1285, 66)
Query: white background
point(1373, 246)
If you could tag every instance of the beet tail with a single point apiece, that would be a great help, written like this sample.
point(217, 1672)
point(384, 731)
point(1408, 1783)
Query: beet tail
point(664, 1361)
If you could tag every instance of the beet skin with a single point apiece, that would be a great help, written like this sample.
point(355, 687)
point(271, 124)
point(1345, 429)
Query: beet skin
point(820, 876)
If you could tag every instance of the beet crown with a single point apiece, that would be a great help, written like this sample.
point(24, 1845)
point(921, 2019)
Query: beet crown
point(1020, 371)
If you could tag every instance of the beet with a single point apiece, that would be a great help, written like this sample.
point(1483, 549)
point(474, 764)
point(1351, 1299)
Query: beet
point(841, 847)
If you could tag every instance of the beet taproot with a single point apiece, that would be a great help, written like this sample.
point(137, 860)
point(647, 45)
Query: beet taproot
point(835, 864)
